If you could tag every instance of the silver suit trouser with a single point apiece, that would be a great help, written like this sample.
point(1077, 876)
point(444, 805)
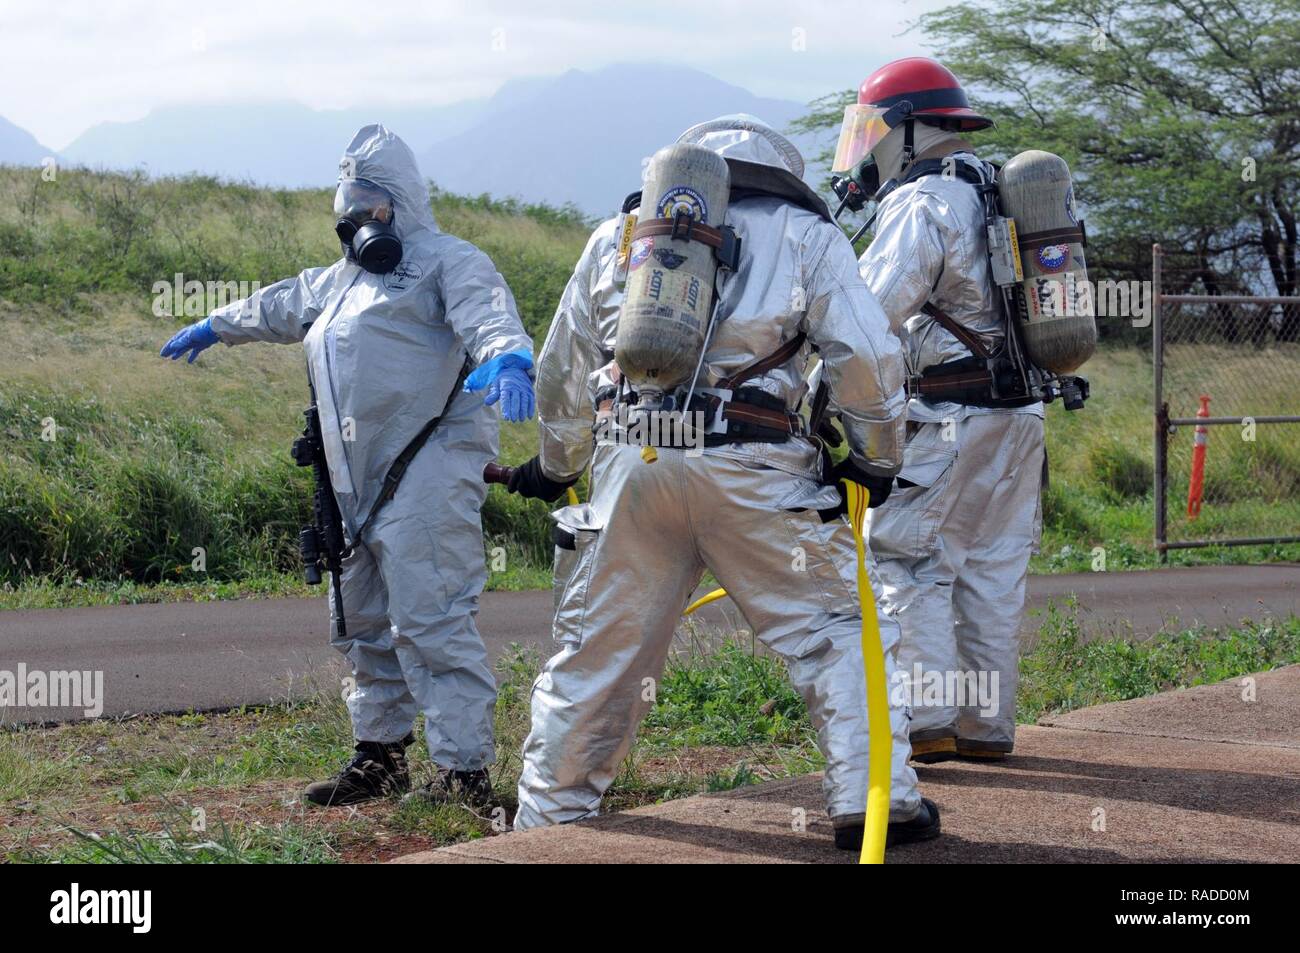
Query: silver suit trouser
point(646, 538)
point(410, 594)
point(953, 554)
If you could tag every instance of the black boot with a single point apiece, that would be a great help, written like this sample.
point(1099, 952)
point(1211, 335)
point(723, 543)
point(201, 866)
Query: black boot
point(376, 770)
point(983, 750)
point(925, 826)
point(472, 788)
point(932, 745)
point(934, 750)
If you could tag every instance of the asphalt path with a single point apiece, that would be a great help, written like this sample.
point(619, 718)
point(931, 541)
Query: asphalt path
point(213, 655)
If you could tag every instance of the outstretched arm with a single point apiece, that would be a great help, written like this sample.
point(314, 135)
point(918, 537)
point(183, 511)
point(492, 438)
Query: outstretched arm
point(282, 312)
point(479, 306)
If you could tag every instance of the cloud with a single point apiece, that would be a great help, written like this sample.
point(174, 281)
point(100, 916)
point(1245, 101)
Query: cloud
point(82, 62)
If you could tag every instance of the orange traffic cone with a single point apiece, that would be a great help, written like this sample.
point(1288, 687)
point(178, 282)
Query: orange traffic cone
point(1196, 488)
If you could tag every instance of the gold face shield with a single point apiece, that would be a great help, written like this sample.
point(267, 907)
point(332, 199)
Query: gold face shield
point(864, 126)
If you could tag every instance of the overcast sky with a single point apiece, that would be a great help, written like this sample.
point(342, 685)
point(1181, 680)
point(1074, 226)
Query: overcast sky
point(69, 64)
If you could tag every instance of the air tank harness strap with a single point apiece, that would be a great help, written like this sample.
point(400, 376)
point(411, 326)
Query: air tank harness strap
point(963, 334)
point(749, 415)
point(969, 381)
point(1031, 241)
point(724, 241)
point(746, 407)
point(963, 381)
point(759, 367)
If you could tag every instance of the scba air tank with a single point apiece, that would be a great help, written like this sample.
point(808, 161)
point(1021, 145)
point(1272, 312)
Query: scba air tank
point(1055, 300)
point(665, 315)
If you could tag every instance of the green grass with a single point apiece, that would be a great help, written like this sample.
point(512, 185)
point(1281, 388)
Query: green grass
point(734, 696)
point(127, 791)
point(178, 843)
point(43, 592)
point(729, 696)
point(91, 233)
point(738, 777)
point(1065, 672)
point(150, 459)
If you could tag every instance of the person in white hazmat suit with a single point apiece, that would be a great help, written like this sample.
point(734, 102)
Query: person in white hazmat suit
point(744, 510)
point(954, 539)
point(389, 331)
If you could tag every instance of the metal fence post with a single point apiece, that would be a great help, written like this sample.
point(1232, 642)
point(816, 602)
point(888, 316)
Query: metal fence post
point(1161, 410)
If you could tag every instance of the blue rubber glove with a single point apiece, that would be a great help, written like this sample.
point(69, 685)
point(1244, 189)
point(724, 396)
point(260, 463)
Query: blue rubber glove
point(195, 338)
point(506, 379)
point(514, 389)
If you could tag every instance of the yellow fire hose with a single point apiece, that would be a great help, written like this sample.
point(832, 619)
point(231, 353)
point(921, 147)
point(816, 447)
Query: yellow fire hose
point(880, 738)
point(713, 596)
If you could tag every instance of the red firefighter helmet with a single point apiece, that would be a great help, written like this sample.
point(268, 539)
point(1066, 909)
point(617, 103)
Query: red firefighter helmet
point(915, 87)
point(930, 86)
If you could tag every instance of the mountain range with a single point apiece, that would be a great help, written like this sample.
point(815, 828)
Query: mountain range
point(578, 137)
point(19, 147)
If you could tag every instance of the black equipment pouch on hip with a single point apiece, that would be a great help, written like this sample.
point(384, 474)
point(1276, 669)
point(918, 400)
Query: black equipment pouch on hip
point(971, 381)
point(752, 416)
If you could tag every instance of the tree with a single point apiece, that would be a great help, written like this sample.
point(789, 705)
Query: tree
point(1180, 120)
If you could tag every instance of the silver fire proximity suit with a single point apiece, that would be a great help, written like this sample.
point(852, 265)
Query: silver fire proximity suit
point(745, 511)
point(954, 540)
point(384, 352)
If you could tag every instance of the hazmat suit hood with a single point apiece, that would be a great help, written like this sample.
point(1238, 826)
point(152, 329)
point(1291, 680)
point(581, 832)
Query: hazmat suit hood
point(925, 139)
point(758, 157)
point(381, 157)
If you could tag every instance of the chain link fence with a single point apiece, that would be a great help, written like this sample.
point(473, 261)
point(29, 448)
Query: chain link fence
point(1227, 377)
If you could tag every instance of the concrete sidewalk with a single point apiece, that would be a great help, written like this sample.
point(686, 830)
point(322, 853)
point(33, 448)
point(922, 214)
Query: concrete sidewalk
point(1199, 775)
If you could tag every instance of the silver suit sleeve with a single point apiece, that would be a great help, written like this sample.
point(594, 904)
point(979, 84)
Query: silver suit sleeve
point(863, 359)
point(906, 256)
point(572, 352)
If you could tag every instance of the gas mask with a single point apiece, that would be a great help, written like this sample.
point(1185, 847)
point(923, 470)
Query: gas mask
point(365, 226)
point(855, 187)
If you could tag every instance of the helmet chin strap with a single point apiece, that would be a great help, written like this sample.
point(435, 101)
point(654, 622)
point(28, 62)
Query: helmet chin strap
point(909, 149)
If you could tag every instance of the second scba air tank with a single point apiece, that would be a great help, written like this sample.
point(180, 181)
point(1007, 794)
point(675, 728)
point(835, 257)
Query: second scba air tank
point(1055, 300)
point(664, 320)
